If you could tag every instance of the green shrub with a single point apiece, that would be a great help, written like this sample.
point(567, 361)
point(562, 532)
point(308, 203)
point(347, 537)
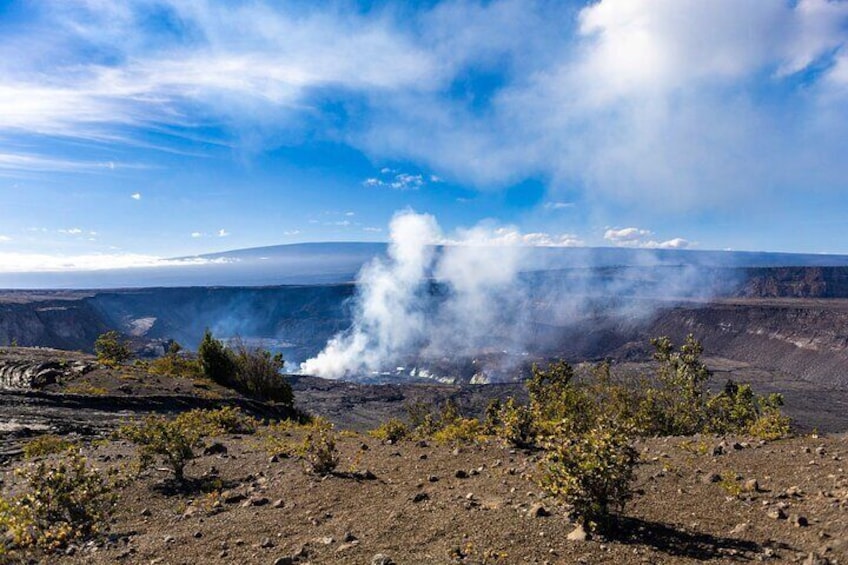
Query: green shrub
point(592, 472)
point(515, 424)
point(392, 430)
point(215, 361)
point(47, 444)
point(251, 371)
point(63, 502)
point(461, 430)
point(319, 448)
point(176, 364)
point(111, 349)
point(558, 405)
point(225, 420)
point(172, 440)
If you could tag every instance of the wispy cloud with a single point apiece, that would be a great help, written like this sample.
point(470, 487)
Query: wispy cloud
point(395, 180)
point(35, 262)
point(636, 237)
point(511, 237)
point(223, 233)
point(4, 238)
point(135, 196)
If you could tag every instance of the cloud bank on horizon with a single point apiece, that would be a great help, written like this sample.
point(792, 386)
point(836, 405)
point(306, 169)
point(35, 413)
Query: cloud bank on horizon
point(648, 123)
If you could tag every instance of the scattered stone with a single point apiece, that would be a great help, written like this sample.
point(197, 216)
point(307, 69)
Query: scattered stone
point(538, 511)
point(719, 449)
point(751, 485)
point(740, 528)
point(266, 543)
point(231, 497)
point(287, 560)
point(345, 546)
point(776, 514)
point(433, 479)
point(279, 503)
point(461, 474)
point(711, 478)
point(216, 448)
point(381, 559)
point(198, 534)
point(259, 501)
point(329, 540)
point(146, 512)
point(273, 459)
point(348, 537)
point(814, 559)
point(169, 539)
point(799, 521)
point(578, 534)
point(420, 497)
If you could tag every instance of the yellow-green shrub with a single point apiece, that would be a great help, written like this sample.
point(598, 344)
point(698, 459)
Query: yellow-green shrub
point(592, 472)
point(392, 430)
point(319, 448)
point(462, 430)
point(172, 440)
point(225, 420)
point(63, 502)
point(47, 444)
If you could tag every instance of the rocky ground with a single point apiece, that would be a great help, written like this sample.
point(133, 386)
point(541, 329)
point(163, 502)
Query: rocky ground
point(698, 499)
point(721, 500)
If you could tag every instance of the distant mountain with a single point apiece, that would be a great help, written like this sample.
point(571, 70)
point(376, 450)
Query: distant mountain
point(335, 262)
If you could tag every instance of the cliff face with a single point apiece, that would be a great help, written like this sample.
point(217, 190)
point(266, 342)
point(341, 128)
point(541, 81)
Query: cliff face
point(63, 324)
point(795, 282)
point(807, 339)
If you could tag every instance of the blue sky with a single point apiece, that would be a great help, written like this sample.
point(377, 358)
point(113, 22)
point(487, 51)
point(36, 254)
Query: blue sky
point(136, 130)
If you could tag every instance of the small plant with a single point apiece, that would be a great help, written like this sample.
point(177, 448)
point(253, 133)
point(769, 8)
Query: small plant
point(225, 420)
point(592, 473)
point(63, 502)
point(392, 430)
point(47, 444)
point(172, 440)
point(462, 430)
point(176, 364)
point(111, 349)
point(252, 371)
point(515, 424)
point(319, 448)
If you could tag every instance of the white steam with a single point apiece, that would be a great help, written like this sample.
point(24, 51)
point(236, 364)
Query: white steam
point(397, 312)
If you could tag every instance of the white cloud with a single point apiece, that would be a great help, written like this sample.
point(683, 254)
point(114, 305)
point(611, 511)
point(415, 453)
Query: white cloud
point(34, 262)
point(223, 233)
point(5, 238)
point(397, 181)
point(71, 231)
point(135, 196)
point(291, 232)
point(350, 214)
point(196, 234)
point(511, 237)
point(558, 205)
point(625, 234)
point(372, 229)
point(636, 237)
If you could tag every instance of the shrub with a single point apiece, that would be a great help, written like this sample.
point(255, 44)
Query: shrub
point(319, 448)
point(251, 371)
point(63, 502)
point(392, 430)
point(172, 440)
point(111, 349)
point(592, 473)
point(678, 405)
point(258, 374)
point(225, 420)
point(215, 361)
point(461, 430)
point(176, 364)
point(47, 444)
point(557, 405)
point(515, 424)
point(770, 424)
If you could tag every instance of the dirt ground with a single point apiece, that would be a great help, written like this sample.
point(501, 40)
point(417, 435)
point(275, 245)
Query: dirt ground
point(426, 503)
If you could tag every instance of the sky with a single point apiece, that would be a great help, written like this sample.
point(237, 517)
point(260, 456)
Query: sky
point(136, 130)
